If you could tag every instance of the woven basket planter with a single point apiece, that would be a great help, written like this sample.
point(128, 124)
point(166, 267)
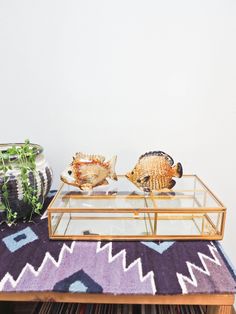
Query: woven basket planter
point(40, 180)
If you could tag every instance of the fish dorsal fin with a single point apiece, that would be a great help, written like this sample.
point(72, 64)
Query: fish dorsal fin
point(86, 157)
point(158, 153)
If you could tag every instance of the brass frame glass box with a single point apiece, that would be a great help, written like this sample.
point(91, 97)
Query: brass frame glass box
point(121, 211)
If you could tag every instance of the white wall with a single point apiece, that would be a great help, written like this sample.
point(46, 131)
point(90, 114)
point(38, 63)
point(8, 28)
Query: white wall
point(124, 77)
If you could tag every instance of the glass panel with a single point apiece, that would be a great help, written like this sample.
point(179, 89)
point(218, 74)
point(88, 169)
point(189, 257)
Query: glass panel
point(109, 202)
point(134, 224)
point(177, 224)
point(55, 218)
point(199, 198)
point(101, 224)
point(188, 193)
point(62, 223)
point(204, 196)
point(213, 223)
point(174, 203)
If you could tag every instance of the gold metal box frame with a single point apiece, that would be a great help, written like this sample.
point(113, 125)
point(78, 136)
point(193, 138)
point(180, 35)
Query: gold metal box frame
point(191, 211)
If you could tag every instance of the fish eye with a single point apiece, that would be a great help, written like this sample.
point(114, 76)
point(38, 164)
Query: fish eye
point(132, 172)
point(69, 172)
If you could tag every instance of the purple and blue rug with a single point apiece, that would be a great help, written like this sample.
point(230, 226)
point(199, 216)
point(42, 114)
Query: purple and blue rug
point(29, 261)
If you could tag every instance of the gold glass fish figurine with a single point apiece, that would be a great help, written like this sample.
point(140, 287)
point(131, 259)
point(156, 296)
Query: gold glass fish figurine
point(87, 171)
point(154, 172)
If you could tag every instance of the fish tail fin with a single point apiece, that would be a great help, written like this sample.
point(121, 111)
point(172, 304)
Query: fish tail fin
point(178, 170)
point(112, 164)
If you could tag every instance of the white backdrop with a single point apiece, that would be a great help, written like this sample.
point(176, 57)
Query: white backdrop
point(124, 77)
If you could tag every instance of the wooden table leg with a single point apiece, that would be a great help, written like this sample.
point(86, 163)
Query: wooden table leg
point(220, 309)
point(225, 309)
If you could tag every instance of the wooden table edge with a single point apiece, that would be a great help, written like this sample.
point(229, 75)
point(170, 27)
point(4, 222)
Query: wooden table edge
point(203, 299)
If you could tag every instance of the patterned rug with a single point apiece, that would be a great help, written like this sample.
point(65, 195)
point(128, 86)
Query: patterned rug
point(29, 261)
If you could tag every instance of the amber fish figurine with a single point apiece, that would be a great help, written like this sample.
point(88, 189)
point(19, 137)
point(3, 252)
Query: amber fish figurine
point(154, 172)
point(88, 171)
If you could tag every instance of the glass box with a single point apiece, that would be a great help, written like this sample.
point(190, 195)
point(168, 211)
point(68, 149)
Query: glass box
point(121, 211)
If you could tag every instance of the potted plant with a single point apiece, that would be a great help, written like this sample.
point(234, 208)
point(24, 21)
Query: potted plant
point(25, 180)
